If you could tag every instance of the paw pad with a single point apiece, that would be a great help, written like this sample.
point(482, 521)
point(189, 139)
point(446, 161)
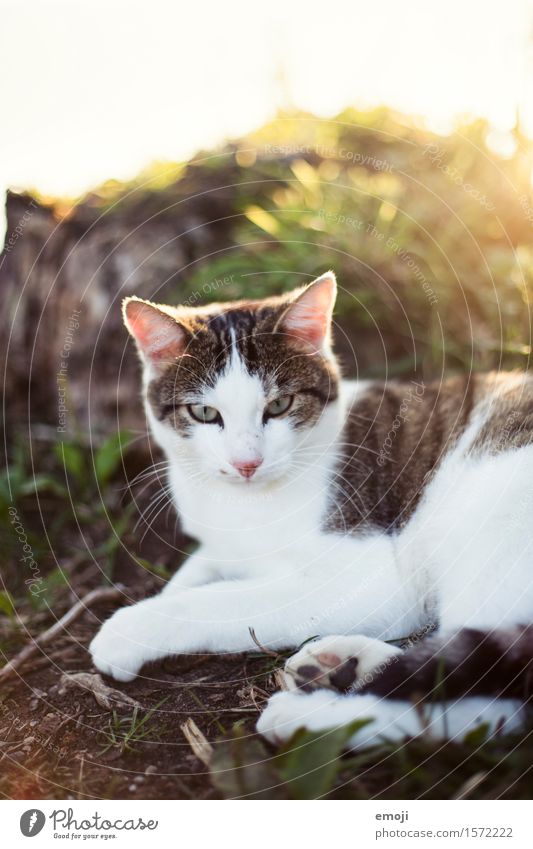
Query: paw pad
point(337, 663)
point(334, 673)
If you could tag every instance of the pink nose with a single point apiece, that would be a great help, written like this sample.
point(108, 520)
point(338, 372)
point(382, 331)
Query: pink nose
point(247, 468)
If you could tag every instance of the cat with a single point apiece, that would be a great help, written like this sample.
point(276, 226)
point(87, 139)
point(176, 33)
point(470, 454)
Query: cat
point(355, 513)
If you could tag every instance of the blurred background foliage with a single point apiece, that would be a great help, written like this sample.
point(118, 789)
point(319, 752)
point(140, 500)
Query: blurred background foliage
point(430, 236)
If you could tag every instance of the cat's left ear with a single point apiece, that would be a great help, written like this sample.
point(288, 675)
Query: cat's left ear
point(308, 318)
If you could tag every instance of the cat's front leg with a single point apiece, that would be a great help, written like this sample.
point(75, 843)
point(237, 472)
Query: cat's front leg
point(206, 618)
point(212, 618)
point(199, 569)
point(282, 611)
point(132, 636)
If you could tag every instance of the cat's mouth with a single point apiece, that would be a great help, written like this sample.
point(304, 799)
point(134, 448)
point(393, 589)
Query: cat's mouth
point(239, 479)
point(260, 477)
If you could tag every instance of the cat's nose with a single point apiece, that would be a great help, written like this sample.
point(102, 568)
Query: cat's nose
point(247, 468)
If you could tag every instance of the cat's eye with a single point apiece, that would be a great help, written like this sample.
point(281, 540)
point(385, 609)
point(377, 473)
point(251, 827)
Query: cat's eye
point(280, 406)
point(206, 415)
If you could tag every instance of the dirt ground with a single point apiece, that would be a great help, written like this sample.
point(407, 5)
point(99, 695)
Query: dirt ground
point(184, 729)
point(58, 742)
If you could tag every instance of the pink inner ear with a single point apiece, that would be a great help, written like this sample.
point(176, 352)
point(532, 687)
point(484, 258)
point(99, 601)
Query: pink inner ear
point(160, 338)
point(309, 317)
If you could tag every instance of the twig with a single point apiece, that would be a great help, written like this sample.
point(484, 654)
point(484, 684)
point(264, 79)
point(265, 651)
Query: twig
point(69, 718)
point(470, 785)
point(262, 648)
point(242, 710)
point(101, 594)
point(280, 680)
point(106, 697)
point(201, 747)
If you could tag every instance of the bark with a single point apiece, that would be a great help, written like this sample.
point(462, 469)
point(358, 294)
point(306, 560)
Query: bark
point(63, 274)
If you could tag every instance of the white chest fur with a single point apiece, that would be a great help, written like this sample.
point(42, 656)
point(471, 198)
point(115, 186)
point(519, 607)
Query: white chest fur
point(274, 525)
point(245, 521)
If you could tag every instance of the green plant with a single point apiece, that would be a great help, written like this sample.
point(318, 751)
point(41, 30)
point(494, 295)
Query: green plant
point(126, 732)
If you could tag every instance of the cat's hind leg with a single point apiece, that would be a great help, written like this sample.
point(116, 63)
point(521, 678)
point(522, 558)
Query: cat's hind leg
point(384, 719)
point(401, 693)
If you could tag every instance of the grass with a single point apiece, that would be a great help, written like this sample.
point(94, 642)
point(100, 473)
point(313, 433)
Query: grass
point(126, 732)
point(420, 260)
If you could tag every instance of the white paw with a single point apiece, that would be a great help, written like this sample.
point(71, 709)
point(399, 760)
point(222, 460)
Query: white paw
point(286, 712)
point(343, 663)
point(321, 710)
point(119, 649)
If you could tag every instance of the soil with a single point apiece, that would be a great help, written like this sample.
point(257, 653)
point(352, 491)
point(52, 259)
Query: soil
point(58, 742)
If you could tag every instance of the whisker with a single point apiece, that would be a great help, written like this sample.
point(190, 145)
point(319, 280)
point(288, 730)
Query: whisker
point(166, 505)
point(152, 505)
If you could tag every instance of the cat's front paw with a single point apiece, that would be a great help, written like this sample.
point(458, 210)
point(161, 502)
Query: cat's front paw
point(343, 663)
point(118, 650)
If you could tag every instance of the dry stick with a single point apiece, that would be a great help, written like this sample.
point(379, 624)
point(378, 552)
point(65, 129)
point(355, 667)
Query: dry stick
point(201, 747)
point(470, 785)
point(262, 648)
point(102, 594)
point(107, 697)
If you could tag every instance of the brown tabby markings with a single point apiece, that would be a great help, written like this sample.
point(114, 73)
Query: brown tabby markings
point(470, 663)
point(510, 424)
point(282, 366)
point(384, 495)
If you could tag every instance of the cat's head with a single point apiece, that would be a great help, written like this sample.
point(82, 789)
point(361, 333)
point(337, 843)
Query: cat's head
point(237, 391)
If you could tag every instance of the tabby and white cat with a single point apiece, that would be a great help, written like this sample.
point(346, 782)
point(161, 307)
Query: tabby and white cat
point(356, 512)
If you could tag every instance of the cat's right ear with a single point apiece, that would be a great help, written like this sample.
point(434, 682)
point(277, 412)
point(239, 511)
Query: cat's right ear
point(161, 339)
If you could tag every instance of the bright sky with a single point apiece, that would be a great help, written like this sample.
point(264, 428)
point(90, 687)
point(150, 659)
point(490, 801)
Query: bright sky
point(99, 89)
